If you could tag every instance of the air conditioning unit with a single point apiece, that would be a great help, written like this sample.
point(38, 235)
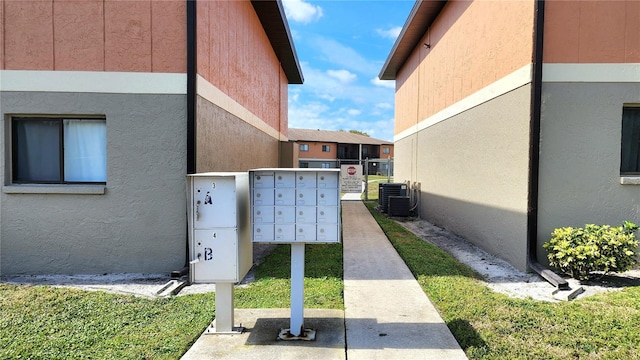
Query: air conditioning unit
point(391, 189)
point(399, 206)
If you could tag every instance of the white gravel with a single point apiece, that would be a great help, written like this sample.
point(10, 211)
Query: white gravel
point(498, 274)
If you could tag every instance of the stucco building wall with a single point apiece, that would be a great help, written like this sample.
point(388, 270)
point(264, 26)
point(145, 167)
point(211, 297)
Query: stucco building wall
point(464, 56)
point(94, 35)
point(462, 123)
point(242, 90)
point(472, 169)
point(580, 157)
point(137, 225)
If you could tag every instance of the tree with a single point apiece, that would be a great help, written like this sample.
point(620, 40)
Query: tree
point(358, 132)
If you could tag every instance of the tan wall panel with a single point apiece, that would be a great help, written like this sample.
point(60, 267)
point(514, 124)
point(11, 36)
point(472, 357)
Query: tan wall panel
point(473, 174)
point(227, 143)
point(27, 46)
point(128, 35)
point(241, 61)
point(472, 45)
point(79, 35)
point(592, 31)
point(169, 34)
point(406, 100)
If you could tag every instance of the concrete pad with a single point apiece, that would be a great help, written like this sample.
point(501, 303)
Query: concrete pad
point(260, 341)
point(387, 315)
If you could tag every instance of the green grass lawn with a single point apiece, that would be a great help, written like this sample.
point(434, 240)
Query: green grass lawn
point(489, 325)
point(42, 322)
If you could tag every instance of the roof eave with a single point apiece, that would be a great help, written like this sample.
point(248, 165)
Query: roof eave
point(423, 14)
point(274, 21)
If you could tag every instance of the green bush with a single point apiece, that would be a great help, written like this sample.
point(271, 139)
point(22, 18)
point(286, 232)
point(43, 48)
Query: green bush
point(581, 251)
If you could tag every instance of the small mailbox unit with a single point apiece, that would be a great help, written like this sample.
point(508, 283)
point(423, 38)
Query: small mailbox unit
point(297, 207)
point(220, 247)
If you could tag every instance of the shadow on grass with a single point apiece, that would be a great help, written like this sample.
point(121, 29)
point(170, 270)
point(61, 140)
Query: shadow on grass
point(466, 335)
point(321, 261)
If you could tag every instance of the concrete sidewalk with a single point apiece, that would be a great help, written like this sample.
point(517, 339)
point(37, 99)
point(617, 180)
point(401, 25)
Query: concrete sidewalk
point(387, 315)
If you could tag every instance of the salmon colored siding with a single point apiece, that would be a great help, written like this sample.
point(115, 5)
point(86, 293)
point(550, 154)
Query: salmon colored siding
point(592, 32)
point(473, 44)
point(94, 35)
point(27, 46)
point(235, 55)
point(284, 104)
point(315, 151)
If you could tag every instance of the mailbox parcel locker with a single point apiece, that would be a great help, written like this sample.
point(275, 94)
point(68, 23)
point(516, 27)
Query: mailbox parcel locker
point(295, 205)
point(220, 247)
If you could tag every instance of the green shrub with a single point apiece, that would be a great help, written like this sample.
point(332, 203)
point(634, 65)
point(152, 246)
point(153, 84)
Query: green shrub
point(581, 251)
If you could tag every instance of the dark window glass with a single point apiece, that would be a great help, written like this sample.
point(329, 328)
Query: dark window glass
point(36, 150)
point(630, 156)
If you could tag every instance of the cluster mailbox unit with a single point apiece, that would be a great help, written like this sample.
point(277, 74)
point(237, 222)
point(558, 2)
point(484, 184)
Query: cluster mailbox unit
point(220, 245)
point(228, 211)
point(297, 207)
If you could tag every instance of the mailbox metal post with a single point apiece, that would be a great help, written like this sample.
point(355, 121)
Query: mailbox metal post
point(296, 207)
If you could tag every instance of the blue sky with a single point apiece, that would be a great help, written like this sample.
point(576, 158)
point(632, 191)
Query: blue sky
point(342, 46)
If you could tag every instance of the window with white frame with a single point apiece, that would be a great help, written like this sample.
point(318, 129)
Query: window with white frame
point(630, 147)
point(326, 165)
point(326, 148)
point(304, 147)
point(57, 150)
point(386, 150)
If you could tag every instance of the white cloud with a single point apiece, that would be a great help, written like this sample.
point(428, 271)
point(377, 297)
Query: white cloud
point(301, 11)
point(344, 76)
point(354, 112)
point(344, 56)
point(384, 106)
point(390, 33)
point(390, 84)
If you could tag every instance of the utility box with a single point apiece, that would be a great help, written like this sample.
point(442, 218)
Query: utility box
point(220, 247)
point(295, 205)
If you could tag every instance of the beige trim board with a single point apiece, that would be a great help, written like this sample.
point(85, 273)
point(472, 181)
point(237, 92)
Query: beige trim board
point(211, 93)
point(598, 73)
point(508, 83)
point(93, 82)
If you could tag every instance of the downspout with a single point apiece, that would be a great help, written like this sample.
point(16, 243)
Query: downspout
point(534, 153)
point(191, 113)
point(191, 86)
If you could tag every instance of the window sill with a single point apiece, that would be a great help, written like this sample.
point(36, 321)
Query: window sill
point(54, 189)
point(630, 180)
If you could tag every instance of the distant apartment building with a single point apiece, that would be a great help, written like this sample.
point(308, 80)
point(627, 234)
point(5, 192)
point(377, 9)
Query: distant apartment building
point(330, 149)
point(107, 105)
point(518, 117)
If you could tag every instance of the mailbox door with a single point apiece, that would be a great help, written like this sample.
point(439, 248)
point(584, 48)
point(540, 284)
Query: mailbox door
point(306, 214)
point(263, 214)
point(329, 180)
point(328, 233)
point(306, 197)
point(285, 196)
point(263, 232)
point(305, 179)
point(218, 255)
point(285, 232)
point(285, 214)
point(328, 197)
point(263, 179)
point(263, 196)
point(328, 214)
point(285, 179)
point(214, 202)
point(306, 232)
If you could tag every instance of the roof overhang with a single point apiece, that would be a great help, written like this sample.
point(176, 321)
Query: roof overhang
point(423, 14)
point(274, 22)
